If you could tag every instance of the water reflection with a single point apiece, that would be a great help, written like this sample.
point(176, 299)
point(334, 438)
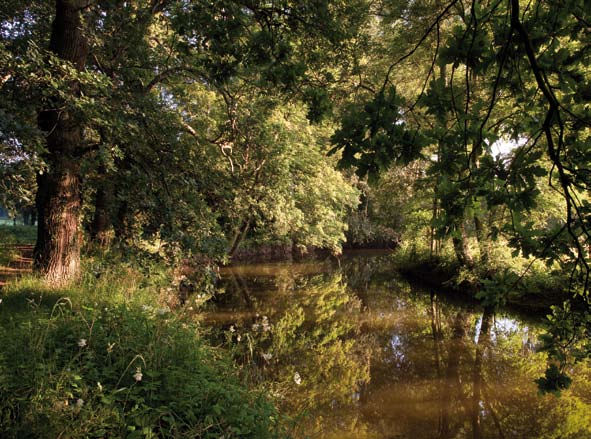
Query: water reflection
point(352, 351)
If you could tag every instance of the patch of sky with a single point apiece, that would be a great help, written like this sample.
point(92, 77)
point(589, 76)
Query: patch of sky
point(504, 146)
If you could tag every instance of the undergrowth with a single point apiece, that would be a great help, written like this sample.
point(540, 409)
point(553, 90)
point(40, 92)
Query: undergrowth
point(106, 357)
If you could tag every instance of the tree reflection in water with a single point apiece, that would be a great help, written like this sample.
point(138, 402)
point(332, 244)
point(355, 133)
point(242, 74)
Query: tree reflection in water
point(352, 351)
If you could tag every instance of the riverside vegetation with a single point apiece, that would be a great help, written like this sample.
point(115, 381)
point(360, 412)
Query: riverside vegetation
point(107, 357)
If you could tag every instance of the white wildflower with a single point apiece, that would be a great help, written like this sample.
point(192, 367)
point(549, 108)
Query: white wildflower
point(267, 356)
point(82, 342)
point(255, 326)
point(100, 386)
point(0, 301)
point(232, 329)
point(238, 337)
point(138, 374)
point(297, 378)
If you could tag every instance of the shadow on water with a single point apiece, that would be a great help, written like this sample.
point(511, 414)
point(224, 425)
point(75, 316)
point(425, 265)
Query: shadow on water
point(353, 351)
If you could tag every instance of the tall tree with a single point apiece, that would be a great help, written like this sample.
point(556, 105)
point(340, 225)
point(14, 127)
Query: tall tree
point(109, 94)
point(59, 195)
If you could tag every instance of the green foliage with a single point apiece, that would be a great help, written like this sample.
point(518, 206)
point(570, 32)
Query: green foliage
point(554, 381)
point(71, 366)
point(375, 135)
point(567, 342)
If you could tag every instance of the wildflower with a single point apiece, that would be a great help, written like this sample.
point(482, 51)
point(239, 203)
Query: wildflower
point(297, 378)
point(232, 329)
point(267, 356)
point(79, 402)
point(138, 374)
point(0, 301)
point(255, 326)
point(100, 386)
point(82, 342)
point(238, 337)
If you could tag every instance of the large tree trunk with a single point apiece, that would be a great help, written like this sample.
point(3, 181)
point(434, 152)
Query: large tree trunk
point(57, 251)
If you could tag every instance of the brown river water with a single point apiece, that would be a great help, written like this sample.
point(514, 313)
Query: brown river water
point(349, 349)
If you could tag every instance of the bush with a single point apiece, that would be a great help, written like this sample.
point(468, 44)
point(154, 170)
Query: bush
point(72, 368)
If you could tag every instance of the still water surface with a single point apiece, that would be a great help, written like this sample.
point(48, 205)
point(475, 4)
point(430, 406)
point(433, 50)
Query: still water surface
point(352, 350)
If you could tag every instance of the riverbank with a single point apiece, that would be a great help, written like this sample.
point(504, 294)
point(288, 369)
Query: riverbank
point(522, 289)
point(107, 357)
point(519, 287)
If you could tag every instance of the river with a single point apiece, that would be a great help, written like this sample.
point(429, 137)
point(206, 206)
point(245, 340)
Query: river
point(350, 349)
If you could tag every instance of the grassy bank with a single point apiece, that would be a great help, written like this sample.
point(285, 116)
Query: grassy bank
point(106, 357)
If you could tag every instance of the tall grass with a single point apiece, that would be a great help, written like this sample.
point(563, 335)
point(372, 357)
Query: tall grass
point(106, 358)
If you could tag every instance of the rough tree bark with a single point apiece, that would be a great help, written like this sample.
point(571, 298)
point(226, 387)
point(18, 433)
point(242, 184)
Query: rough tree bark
point(58, 200)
